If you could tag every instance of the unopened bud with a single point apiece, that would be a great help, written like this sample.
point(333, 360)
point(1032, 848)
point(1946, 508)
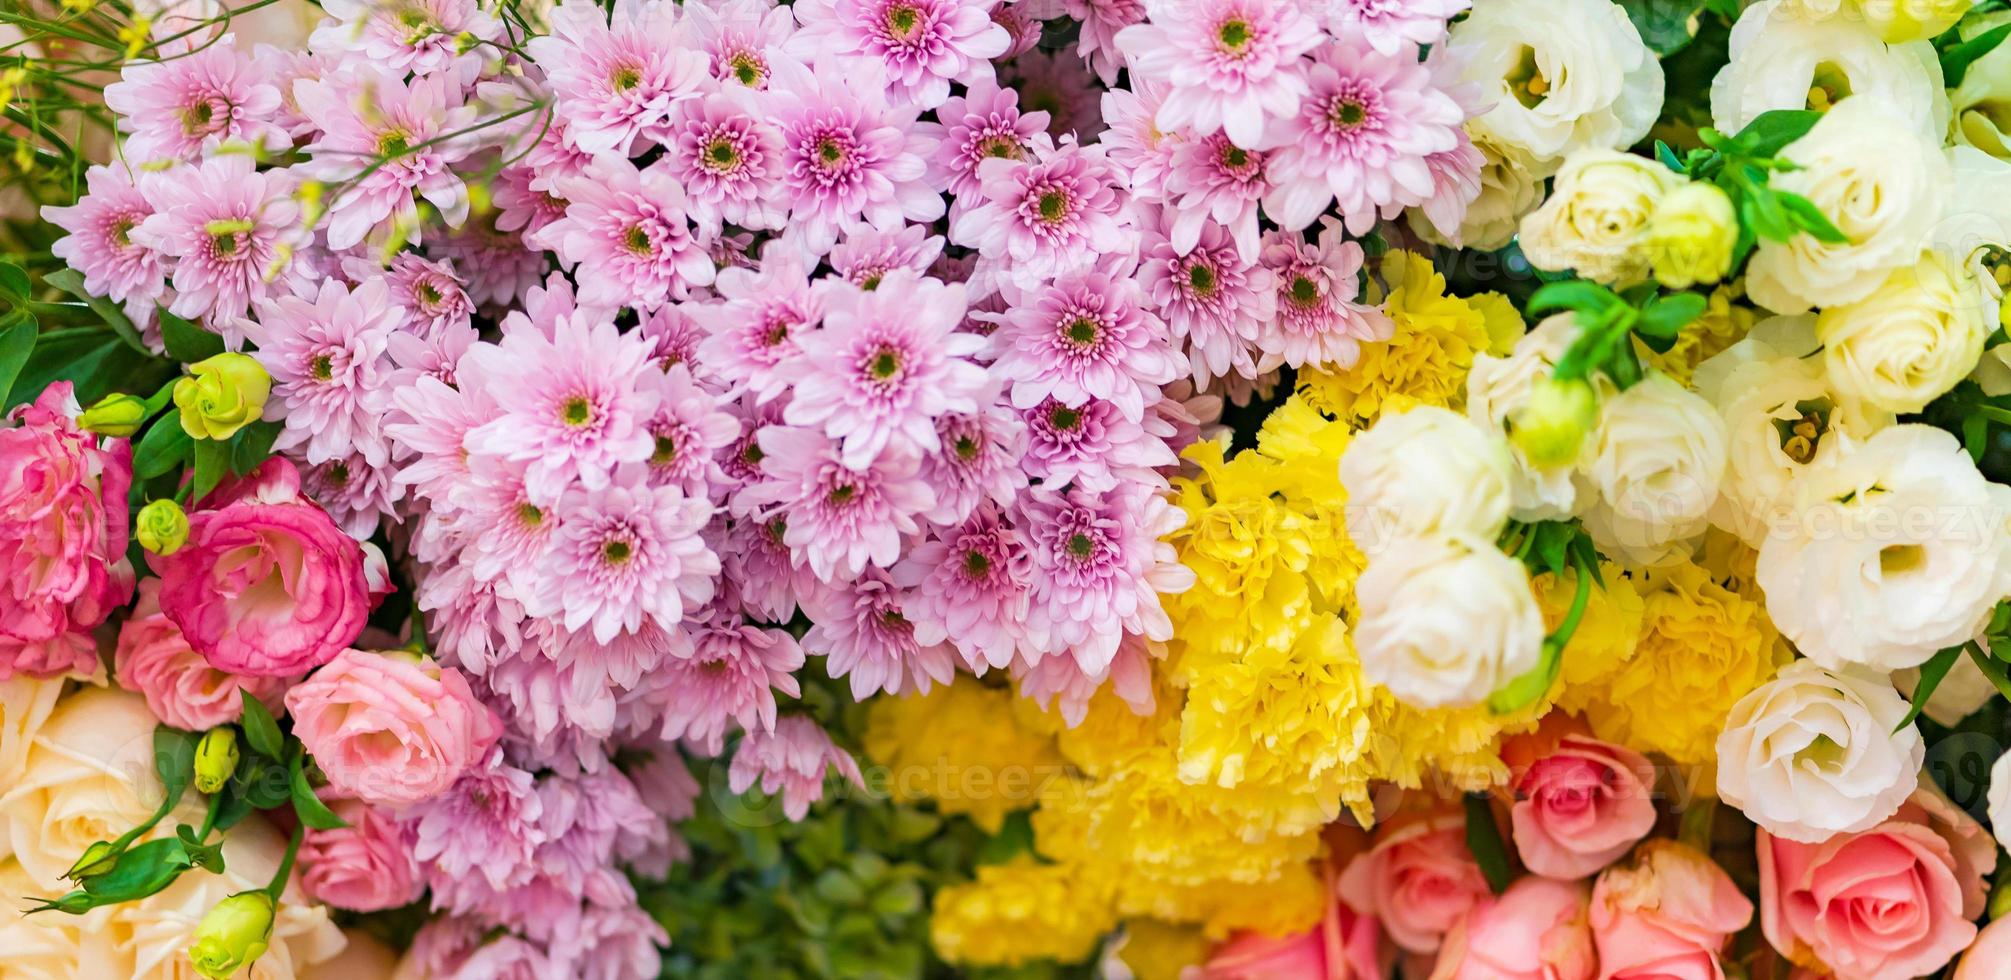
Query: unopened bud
point(162, 527)
point(233, 934)
point(1554, 422)
point(115, 415)
point(216, 758)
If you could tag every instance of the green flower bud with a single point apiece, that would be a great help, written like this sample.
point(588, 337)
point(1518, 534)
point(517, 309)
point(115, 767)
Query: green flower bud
point(233, 934)
point(96, 860)
point(115, 415)
point(1691, 235)
point(162, 527)
point(221, 395)
point(216, 758)
point(1554, 422)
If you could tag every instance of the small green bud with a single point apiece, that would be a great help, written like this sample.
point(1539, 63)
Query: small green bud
point(1554, 422)
point(162, 527)
point(115, 415)
point(233, 934)
point(96, 860)
point(216, 758)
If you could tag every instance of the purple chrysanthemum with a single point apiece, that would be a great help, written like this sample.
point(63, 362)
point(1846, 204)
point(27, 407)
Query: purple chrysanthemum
point(920, 45)
point(1080, 337)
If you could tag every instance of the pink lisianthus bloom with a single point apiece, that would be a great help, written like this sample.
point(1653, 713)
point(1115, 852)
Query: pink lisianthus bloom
point(1418, 879)
point(1535, 930)
point(374, 115)
point(1989, 956)
point(1345, 945)
point(394, 728)
point(627, 236)
point(1230, 65)
point(267, 585)
point(63, 527)
point(423, 37)
point(792, 760)
point(181, 688)
point(364, 867)
point(847, 155)
point(617, 79)
point(1666, 912)
point(100, 242)
point(234, 233)
point(1580, 805)
point(920, 45)
point(1045, 216)
point(326, 354)
point(188, 105)
point(1319, 321)
point(1099, 566)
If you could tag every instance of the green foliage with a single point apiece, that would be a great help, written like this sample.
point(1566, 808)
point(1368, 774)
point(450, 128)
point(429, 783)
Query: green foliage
point(1667, 26)
point(1607, 322)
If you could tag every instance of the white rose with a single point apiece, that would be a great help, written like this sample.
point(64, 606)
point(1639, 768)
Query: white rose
point(1962, 691)
point(1496, 387)
point(1562, 74)
point(1899, 549)
point(1656, 464)
point(1425, 472)
point(1909, 341)
point(1881, 182)
point(1812, 753)
point(51, 945)
point(25, 704)
point(1511, 186)
point(2000, 799)
point(1595, 219)
point(1446, 621)
point(1783, 60)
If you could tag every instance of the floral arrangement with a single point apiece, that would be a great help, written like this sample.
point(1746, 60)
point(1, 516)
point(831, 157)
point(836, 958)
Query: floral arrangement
point(1202, 489)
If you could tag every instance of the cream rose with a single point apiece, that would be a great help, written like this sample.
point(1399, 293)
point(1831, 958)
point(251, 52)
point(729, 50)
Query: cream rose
point(1445, 621)
point(25, 705)
point(1898, 549)
point(1813, 752)
point(1781, 58)
point(1880, 181)
point(1984, 97)
point(51, 945)
point(1496, 387)
point(1511, 185)
point(1596, 218)
point(1656, 463)
point(1909, 341)
point(1427, 471)
point(2000, 799)
point(1563, 74)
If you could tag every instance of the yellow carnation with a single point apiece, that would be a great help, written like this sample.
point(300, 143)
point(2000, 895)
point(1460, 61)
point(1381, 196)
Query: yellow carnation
point(1157, 950)
point(1725, 322)
point(1606, 634)
point(1424, 362)
point(961, 746)
point(1018, 912)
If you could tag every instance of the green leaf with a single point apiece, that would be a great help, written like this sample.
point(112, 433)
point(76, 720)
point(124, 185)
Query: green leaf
point(15, 283)
point(1015, 837)
point(1931, 673)
point(163, 448)
point(260, 730)
point(187, 342)
point(208, 857)
point(92, 359)
point(1669, 158)
point(1762, 212)
point(1955, 61)
point(306, 805)
point(1993, 669)
point(1810, 218)
point(141, 871)
point(1665, 25)
point(252, 445)
point(267, 783)
point(1772, 131)
point(69, 281)
point(212, 458)
point(17, 341)
point(174, 761)
point(1581, 295)
point(1483, 838)
point(1664, 318)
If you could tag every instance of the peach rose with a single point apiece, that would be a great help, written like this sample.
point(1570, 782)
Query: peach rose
point(51, 946)
point(180, 686)
point(364, 867)
point(1989, 957)
point(1346, 945)
point(1536, 930)
point(1581, 806)
point(1665, 913)
point(1418, 880)
point(391, 728)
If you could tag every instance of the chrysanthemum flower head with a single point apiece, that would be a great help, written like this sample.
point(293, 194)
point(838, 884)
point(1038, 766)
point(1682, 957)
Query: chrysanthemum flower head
point(628, 236)
point(1098, 568)
point(100, 241)
point(617, 76)
point(983, 123)
point(921, 45)
point(1319, 321)
point(191, 104)
point(423, 37)
point(1231, 65)
point(626, 554)
point(847, 154)
point(859, 628)
point(371, 116)
point(728, 159)
point(1084, 336)
point(327, 357)
point(791, 761)
point(967, 586)
point(1044, 215)
point(234, 233)
point(731, 675)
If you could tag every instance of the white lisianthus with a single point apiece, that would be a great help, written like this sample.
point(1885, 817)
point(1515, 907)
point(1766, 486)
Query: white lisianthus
point(1898, 549)
point(1496, 387)
point(1910, 340)
point(1999, 796)
point(1445, 621)
point(1898, 21)
point(1425, 472)
point(1882, 183)
point(1511, 185)
point(1595, 219)
point(1656, 463)
point(1783, 59)
point(1962, 692)
point(1563, 74)
point(1982, 103)
point(1813, 752)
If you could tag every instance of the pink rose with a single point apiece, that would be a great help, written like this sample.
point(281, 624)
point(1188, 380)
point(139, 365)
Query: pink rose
point(1581, 806)
point(266, 585)
point(1888, 903)
point(1536, 930)
point(1989, 957)
point(62, 537)
point(1346, 945)
point(364, 867)
point(390, 728)
point(1665, 913)
point(1418, 880)
point(181, 688)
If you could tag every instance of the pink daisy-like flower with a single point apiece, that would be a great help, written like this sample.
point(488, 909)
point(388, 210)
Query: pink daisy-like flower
point(1101, 20)
point(1392, 26)
point(740, 461)
point(1045, 216)
point(431, 355)
point(376, 117)
point(847, 155)
point(1098, 569)
point(1080, 337)
point(1214, 299)
point(674, 338)
point(423, 37)
point(1061, 87)
point(840, 519)
point(1061, 681)
point(626, 553)
point(967, 586)
point(765, 576)
point(433, 297)
point(511, 531)
point(1229, 65)
point(627, 237)
point(428, 424)
point(731, 675)
point(522, 206)
point(285, 66)
point(982, 124)
point(356, 493)
point(573, 407)
point(792, 761)
point(1022, 23)
point(921, 45)
point(188, 105)
point(616, 80)
point(1213, 179)
point(977, 459)
point(1318, 320)
point(234, 234)
point(756, 329)
point(475, 624)
point(865, 639)
point(1091, 444)
point(689, 429)
point(1455, 172)
point(729, 161)
point(884, 366)
point(740, 38)
point(1361, 136)
point(326, 355)
point(866, 255)
point(100, 241)
point(486, 826)
point(499, 269)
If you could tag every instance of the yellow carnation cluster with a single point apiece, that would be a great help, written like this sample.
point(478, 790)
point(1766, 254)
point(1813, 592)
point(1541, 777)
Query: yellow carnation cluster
point(961, 746)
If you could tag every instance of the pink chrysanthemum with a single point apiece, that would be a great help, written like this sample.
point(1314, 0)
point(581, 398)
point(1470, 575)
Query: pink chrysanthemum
point(356, 493)
point(234, 234)
point(978, 459)
point(1392, 26)
point(1059, 85)
point(967, 585)
point(626, 553)
point(1063, 682)
point(326, 355)
point(674, 337)
point(1455, 172)
point(499, 269)
point(473, 623)
point(429, 424)
point(1022, 22)
point(729, 161)
point(1361, 136)
point(1083, 336)
point(840, 520)
point(847, 155)
point(1045, 216)
point(866, 255)
point(1134, 143)
point(790, 761)
point(616, 80)
point(627, 237)
point(373, 116)
point(1091, 444)
point(921, 45)
point(188, 105)
point(1212, 298)
point(982, 124)
point(755, 329)
point(1318, 320)
point(884, 366)
point(865, 639)
point(1101, 20)
point(770, 585)
point(1229, 65)
point(1215, 180)
point(1098, 569)
point(485, 827)
point(572, 405)
point(740, 461)
point(434, 298)
point(511, 532)
point(740, 38)
point(688, 430)
point(423, 37)
point(100, 241)
point(731, 676)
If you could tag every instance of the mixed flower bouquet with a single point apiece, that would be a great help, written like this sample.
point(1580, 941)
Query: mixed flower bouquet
point(1459, 489)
